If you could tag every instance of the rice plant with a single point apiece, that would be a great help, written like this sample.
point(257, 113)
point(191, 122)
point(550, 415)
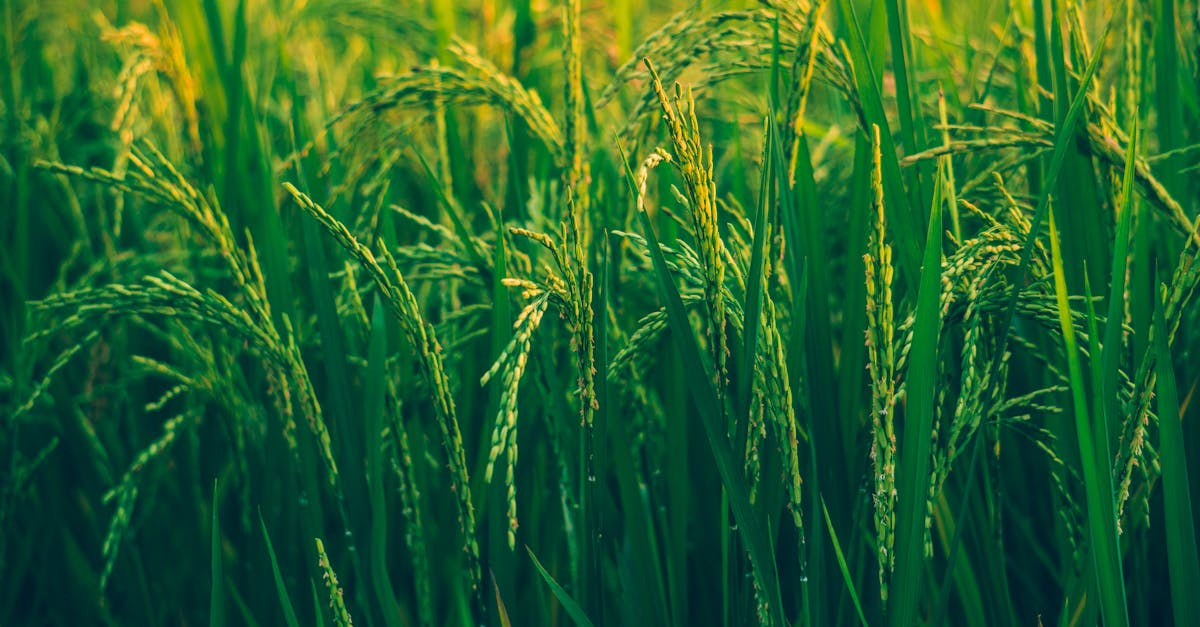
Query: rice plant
point(744, 312)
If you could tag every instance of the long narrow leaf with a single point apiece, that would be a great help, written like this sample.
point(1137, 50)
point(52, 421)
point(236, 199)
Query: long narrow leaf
point(705, 398)
point(569, 604)
point(903, 217)
point(841, 559)
point(1063, 142)
point(913, 474)
point(285, 600)
point(1097, 475)
point(1111, 350)
point(754, 288)
point(1183, 560)
point(216, 608)
point(374, 408)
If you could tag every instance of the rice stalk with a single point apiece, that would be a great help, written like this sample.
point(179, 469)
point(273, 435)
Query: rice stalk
point(337, 603)
point(881, 366)
point(402, 304)
point(694, 163)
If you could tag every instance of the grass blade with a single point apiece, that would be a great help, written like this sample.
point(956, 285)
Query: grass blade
point(754, 287)
point(903, 216)
point(216, 608)
point(375, 396)
point(1062, 143)
point(285, 600)
point(1097, 476)
point(318, 612)
point(846, 576)
point(1111, 352)
point(912, 129)
point(234, 95)
point(569, 604)
point(1168, 105)
point(913, 474)
point(707, 406)
point(501, 609)
point(461, 228)
point(1182, 557)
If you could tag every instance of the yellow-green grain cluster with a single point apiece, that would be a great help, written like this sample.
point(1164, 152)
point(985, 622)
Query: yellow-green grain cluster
point(337, 602)
point(695, 164)
point(881, 366)
point(402, 304)
point(513, 362)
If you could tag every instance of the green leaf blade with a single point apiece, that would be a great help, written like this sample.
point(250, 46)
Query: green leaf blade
point(915, 464)
point(1183, 559)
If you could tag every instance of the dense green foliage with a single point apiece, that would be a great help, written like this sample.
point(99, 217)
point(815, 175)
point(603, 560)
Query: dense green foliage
point(531, 313)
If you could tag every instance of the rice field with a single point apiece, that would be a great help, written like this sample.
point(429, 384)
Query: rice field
point(518, 312)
